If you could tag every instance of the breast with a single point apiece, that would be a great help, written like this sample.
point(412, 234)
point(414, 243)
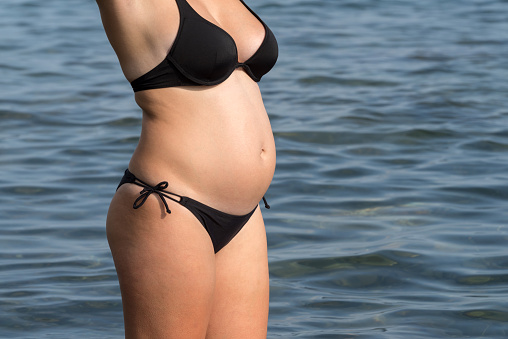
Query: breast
point(265, 57)
point(203, 52)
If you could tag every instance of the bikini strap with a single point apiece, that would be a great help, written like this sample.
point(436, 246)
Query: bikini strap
point(157, 189)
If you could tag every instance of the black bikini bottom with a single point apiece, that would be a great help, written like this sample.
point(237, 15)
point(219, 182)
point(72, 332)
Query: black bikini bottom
point(221, 227)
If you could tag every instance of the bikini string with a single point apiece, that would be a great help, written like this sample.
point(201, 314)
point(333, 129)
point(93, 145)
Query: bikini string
point(266, 204)
point(157, 189)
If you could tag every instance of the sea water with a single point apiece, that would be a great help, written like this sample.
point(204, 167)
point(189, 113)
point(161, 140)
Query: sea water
point(389, 199)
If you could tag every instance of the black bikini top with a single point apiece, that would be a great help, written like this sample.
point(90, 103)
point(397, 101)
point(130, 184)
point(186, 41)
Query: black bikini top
point(205, 54)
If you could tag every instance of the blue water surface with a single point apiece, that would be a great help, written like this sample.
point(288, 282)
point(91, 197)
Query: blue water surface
point(388, 214)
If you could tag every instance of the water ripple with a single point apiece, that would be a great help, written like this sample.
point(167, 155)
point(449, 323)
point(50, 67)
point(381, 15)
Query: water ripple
point(388, 214)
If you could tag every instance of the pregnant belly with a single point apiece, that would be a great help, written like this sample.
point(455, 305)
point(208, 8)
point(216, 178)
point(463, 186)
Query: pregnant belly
point(224, 158)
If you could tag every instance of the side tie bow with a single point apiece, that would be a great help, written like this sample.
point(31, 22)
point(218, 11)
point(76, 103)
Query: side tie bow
point(147, 190)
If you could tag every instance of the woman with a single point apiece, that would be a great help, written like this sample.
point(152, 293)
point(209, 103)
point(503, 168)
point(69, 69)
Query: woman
point(191, 255)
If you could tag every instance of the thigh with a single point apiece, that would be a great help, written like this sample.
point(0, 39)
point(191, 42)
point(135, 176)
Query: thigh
point(165, 265)
point(241, 296)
